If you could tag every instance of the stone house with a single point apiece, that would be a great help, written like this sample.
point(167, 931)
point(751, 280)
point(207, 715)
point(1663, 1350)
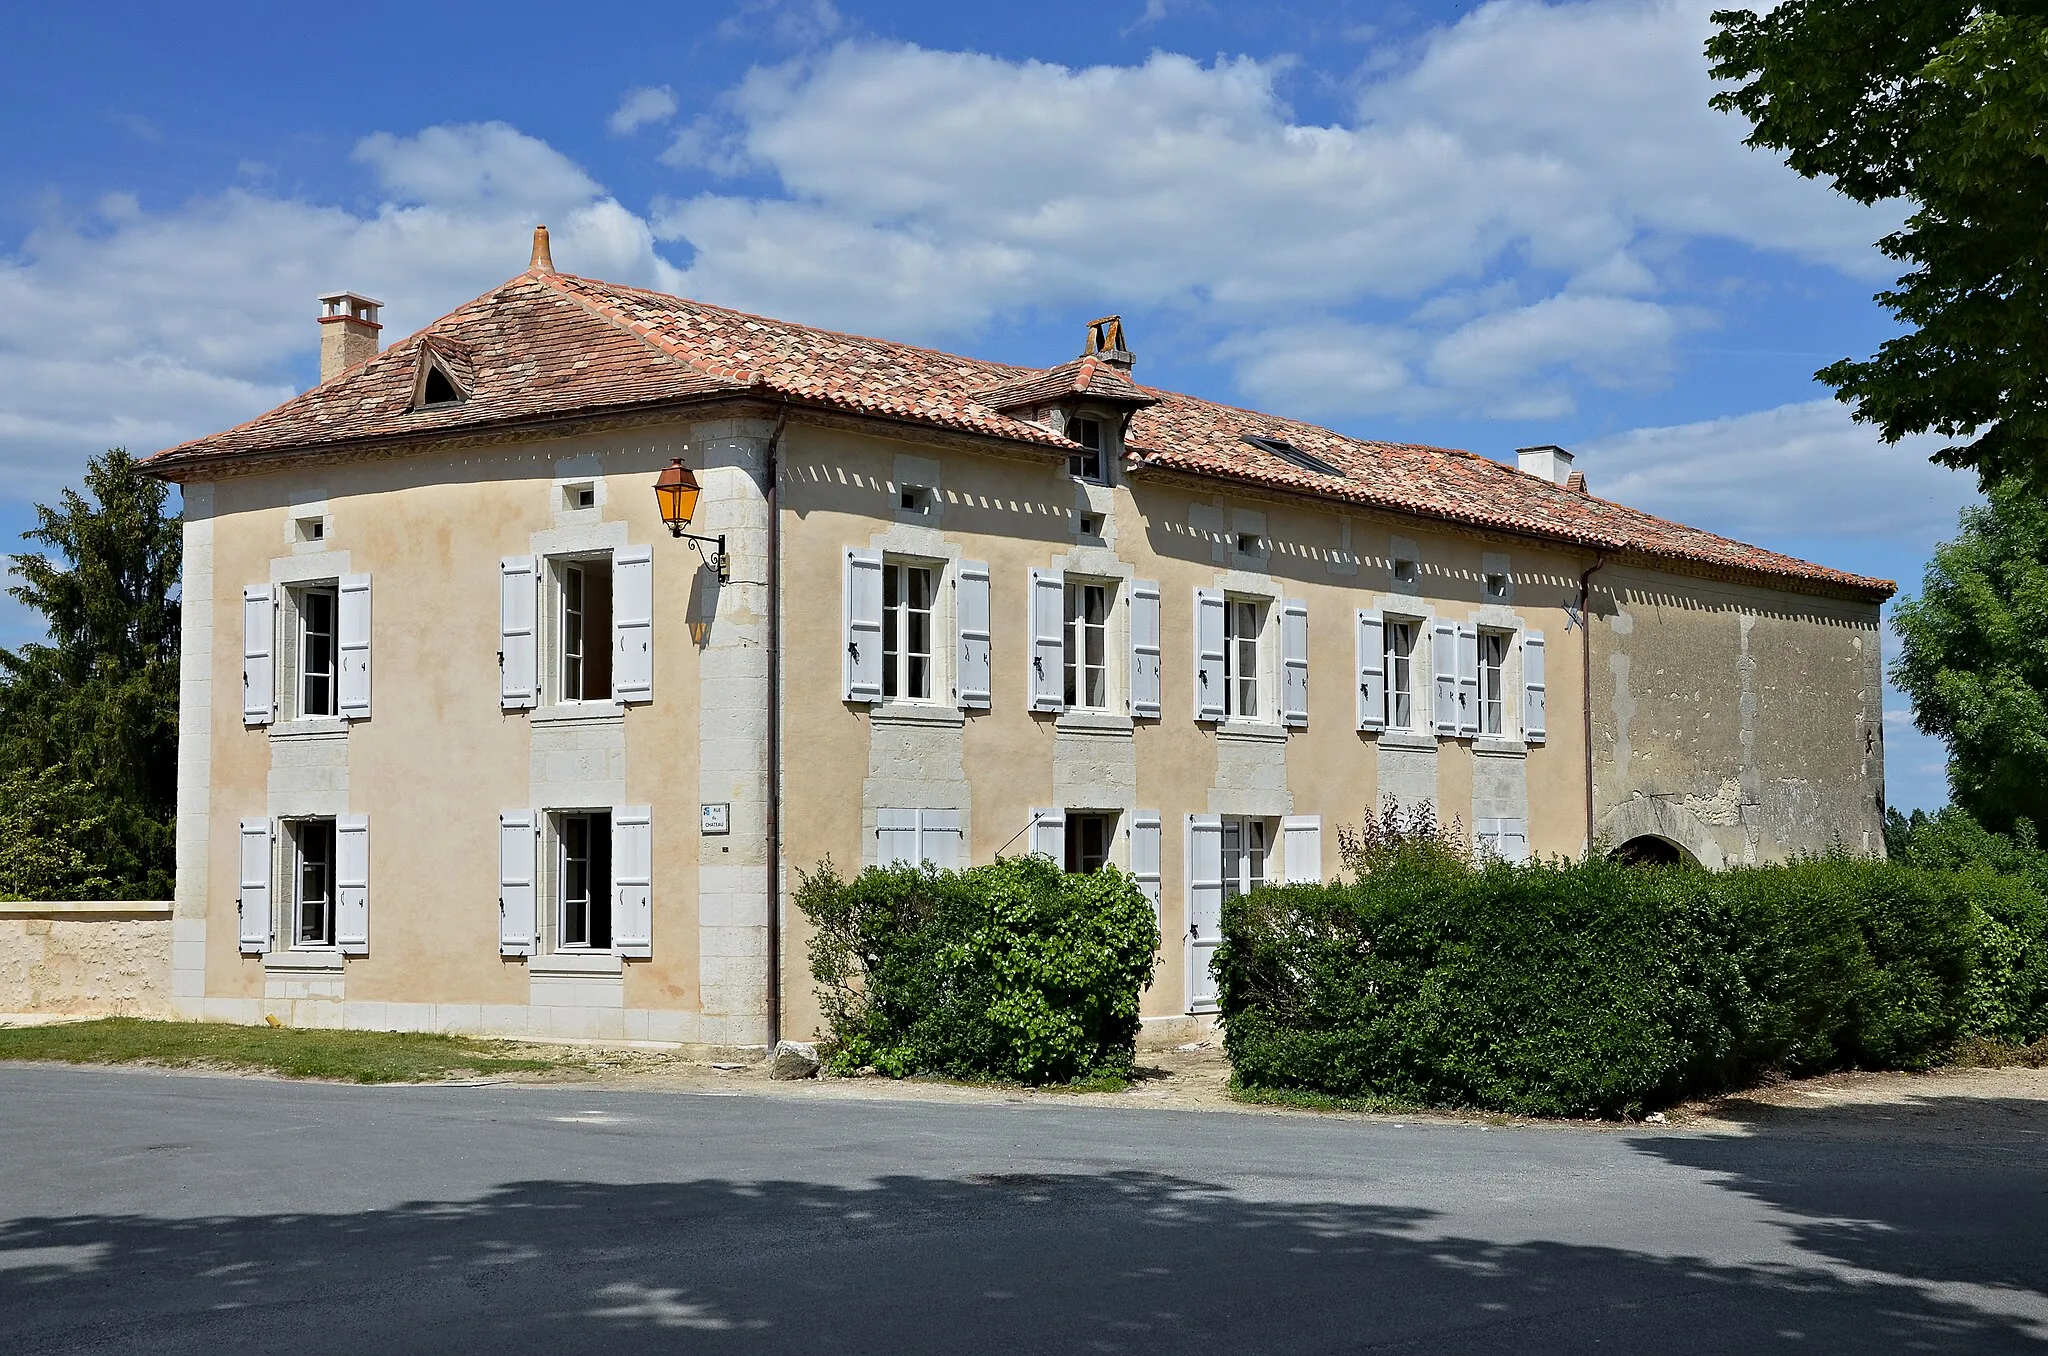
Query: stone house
point(471, 742)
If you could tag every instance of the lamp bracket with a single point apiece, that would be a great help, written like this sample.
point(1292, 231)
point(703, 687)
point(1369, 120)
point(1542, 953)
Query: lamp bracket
point(720, 563)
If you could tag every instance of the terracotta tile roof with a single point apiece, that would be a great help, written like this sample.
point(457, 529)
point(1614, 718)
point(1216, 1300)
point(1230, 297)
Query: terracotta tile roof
point(547, 345)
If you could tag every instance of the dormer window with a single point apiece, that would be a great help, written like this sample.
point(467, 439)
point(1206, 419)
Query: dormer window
point(1085, 463)
point(439, 390)
point(439, 382)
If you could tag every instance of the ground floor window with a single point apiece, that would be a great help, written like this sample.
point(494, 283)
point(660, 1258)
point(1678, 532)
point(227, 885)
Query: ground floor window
point(312, 848)
point(1246, 846)
point(1089, 836)
point(583, 880)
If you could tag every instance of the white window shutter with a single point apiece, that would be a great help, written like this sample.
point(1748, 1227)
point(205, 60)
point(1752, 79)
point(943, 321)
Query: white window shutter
point(352, 884)
point(259, 655)
point(861, 664)
point(1443, 666)
point(1048, 641)
point(1302, 836)
point(633, 624)
point(632, 880)
point(1294, 662)
point(977, 679)
point(1468, 679)
point(1205, 908)
point(1209, 655)
point(352, 626)
point(1533, 729)
point(895, 837)
point(518, 633)
point(1514, 840)
point(518, 899)
point(1145, 844)
point(1049, 834)
point(1145, 703)
point(938, 838)
point(1372, 670)
point(254, 901)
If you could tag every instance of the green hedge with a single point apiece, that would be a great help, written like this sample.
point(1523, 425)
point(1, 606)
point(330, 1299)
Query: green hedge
point(1014, 970)
point(1592, 988)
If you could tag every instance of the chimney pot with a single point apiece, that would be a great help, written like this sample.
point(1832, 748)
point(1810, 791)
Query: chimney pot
point(543, 260)
point(349, 323)
point(1106, 342)
point(1547, 462)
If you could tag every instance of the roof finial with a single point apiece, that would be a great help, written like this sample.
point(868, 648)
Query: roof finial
point(542, 261)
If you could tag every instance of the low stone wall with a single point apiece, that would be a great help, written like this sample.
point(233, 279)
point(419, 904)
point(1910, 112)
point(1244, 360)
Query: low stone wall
point(105, 958)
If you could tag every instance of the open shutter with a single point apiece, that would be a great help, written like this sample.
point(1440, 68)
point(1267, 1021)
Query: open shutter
point(977, 681)
point(861, 664)
point(518, 633)
point(1208, 654)
point(259, 655)
point(254, 900)
point(352, 690)
point(895, 837)
point(633, 624)
point(1468, 679)
point(1372, 670)
point(1048, 644)
point(352, 884)
point(1205, 908)
point(938, 838)
point(1302, 837)
point(1294, 662)
point(1049, 834)
point(632, 880)
point(1532, 687)
point(1443, 667)
point(1145, 649)
point(518, 844)
point(1145, 841)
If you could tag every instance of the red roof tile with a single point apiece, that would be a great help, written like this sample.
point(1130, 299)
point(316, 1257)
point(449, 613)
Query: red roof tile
point(548, 345)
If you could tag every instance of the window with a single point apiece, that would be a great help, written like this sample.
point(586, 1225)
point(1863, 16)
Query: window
point(438, 389)
point(311, 529)
point(1505, 839)
point(1250, 544)
point(1088, 840)
point(1245, 846)
point(1400, 638)
point(312, 849)
point(1086, 463)
point(1288, 452)
point(1243, 619)
point(915, 499)
point(1493, 655)
point(1496, 586)
point(586, 631)
point(906, 631)
point(316, 608)
point(1087, 645)
point(581, 496)
point(910, 837)
point(583, 875)
point(1406, 571)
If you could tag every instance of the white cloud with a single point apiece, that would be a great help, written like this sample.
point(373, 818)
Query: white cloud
point(795, 23)
point(1798, 471)
point(640, 107)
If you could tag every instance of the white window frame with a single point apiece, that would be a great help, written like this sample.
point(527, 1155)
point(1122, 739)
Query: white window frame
point(599, 904)
point(1236, 608)
point(555, 668)
point(1496, 649)
point(896, 668)
point(1110, 820)
point(1077, 458)
point(1247, 854)
point(299, 598)
point(1401, 669)
point(296, 863)
point(1076, 631)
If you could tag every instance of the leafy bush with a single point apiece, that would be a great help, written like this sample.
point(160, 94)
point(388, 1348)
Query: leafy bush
point(1014, 970)
point(1594, 988)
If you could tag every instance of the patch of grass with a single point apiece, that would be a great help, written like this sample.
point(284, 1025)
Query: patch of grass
point(345, 1056)
point(1302, 1100)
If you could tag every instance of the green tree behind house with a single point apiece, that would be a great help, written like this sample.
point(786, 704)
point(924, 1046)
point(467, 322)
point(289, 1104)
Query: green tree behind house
point(89, 717)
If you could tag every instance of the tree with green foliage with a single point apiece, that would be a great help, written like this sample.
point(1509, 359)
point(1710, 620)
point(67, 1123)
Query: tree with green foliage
point(89, 716)
point(1941, 103)
point(1974, 658)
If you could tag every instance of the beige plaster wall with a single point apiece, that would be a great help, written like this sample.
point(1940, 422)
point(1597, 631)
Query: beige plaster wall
point(114, 964)
point(1745, 724)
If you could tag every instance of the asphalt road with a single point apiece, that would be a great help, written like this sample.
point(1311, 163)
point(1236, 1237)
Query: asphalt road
point(153, 1213)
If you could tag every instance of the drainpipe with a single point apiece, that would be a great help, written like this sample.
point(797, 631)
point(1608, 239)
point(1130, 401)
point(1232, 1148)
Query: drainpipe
point(774, 824)
point(1586, 682)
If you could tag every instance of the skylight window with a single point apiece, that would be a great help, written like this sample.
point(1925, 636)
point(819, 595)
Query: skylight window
point(1293, 455)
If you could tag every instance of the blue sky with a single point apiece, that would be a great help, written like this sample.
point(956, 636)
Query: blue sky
point(1480, 226)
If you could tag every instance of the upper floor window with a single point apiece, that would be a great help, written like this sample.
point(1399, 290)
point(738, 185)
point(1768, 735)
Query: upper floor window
point(1400, 647)
point(1087, 646)
point(311, 844)
point(1086, 462)
point(1243, 620)
point(316, 650)
point(907, 593)
point(1493, 657)
point(585, 631)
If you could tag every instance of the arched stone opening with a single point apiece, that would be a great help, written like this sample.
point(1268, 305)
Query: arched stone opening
point(1642, 817)
point(1650, 850)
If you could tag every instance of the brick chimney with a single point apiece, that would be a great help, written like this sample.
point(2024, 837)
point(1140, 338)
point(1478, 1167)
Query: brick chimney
point(1548, 462)
point(348, 331)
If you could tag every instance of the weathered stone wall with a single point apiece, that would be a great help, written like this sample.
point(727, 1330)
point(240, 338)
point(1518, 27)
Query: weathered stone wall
point(1740, 724)
point(68, 960)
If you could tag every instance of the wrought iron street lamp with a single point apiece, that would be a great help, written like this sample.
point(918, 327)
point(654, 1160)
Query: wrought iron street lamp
point(676, 491)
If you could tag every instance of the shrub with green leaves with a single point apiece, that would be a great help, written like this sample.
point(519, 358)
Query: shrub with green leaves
point(1015, 970)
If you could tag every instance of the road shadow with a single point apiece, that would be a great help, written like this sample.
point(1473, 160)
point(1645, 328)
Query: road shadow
point(1945, 1190)
point(1106, 1262)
